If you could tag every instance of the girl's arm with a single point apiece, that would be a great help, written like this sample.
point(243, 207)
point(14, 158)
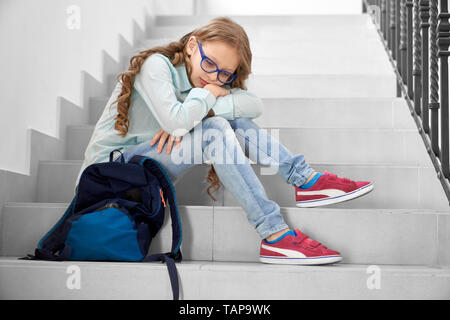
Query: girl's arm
point(154, 83)
point(238, 104)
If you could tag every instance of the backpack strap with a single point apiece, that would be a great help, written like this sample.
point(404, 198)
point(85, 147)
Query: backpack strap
point(169, 192)
point(170, 262)
point(53, 240)
point(111, 156)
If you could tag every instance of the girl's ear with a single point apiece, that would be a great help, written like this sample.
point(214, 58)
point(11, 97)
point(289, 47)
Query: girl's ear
point(191, 45)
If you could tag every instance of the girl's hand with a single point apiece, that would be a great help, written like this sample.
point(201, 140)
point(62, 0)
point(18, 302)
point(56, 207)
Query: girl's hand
point(216, 90)
point(162, 136)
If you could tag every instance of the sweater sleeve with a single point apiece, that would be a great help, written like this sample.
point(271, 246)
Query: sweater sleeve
point(154, 83)
point(238, 104)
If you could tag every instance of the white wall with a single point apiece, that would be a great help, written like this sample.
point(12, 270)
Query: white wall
point(258, 7)
point(174, 7)
point(41, 58)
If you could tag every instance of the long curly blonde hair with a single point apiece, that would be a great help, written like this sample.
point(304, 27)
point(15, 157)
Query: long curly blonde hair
point(218, 29)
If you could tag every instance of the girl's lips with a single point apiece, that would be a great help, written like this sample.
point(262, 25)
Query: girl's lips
point(203, 82)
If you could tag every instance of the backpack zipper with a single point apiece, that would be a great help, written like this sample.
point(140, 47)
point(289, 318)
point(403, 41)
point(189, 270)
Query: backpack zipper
point(162, 197)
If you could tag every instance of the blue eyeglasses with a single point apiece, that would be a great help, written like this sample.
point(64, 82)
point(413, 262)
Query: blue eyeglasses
point(210, 66)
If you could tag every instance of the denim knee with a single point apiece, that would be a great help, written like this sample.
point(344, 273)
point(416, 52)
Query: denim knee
point(216, 122)
point(243, 122)
point(217, 127)
point(219, 138)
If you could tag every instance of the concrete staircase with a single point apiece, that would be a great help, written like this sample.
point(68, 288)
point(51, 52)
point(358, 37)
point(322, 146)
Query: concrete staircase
point(329, 92)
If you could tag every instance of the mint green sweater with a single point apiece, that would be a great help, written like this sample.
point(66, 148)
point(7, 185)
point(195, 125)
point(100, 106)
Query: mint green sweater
point(163, 98)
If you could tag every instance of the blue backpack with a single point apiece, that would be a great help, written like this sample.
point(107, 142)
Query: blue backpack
point(117, 210)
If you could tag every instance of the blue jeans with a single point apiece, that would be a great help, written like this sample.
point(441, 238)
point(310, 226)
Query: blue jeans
point(222, 142)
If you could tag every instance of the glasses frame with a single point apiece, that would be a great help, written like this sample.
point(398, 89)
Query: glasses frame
point(204, 57)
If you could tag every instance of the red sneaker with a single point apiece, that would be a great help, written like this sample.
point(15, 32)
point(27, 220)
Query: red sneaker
point(329, 189)
point(295, 247)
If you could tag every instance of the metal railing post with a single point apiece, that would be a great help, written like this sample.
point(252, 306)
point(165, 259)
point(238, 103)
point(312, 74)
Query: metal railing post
point(424, 19)
point(443, 53)
point(417, 38)
point(403, 45)
point(409, 47)
point(434, 79)
point(417, 60)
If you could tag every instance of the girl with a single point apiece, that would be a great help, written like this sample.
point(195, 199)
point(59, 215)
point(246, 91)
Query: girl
point(198, 84)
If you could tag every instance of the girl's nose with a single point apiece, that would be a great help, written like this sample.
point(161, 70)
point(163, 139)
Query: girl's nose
point(212, 77)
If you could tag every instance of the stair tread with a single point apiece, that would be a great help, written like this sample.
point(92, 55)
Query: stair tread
point(377, 165)
point(229, 266)
point(381, 99)
point(311, 16)
point(217, 280)
point(92, 126)
point(335, 210)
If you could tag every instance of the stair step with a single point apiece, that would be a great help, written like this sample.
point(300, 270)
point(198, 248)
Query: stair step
point(322, 86)
point(217, 280)
point(281, 32)
point(24, 224)
point(298, 21)
point(77, 140)
point(329, 63)
point(397, 146)
point(368, 49)
point(368, 59)
point(316, 85)
point(351, 113)
point(395, 186)
point(96, 107)
point(367, 236)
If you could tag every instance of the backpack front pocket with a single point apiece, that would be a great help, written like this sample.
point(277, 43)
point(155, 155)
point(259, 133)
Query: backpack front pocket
point(108, 234)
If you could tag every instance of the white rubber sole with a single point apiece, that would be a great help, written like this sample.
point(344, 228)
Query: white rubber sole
point(300, 261)
point(330, 200)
